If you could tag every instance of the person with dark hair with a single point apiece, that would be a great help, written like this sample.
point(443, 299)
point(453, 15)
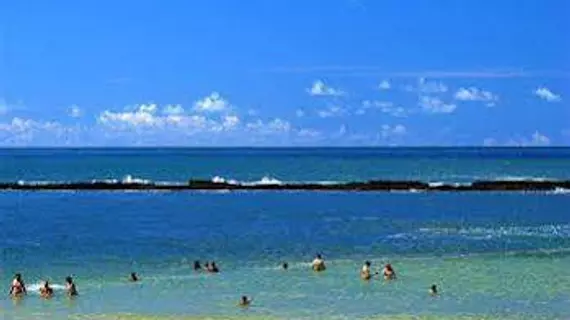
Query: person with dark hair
point(433, 290)
point(18, 287)
point(366, 272)
point(133, 277)
point(319, 263)
point(213, 268)
point(46, 291)
point(389, 273)
point(245, 301)
point(197, 266)
point(70, 287)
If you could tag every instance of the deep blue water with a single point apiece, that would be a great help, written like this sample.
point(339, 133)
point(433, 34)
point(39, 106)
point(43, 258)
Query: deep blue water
point(490, 253)
point(286, 164)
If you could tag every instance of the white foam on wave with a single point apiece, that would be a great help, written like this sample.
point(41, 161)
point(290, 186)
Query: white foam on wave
point(558, 190)
point(267, 180)
point(524, 178)
point(480, 233)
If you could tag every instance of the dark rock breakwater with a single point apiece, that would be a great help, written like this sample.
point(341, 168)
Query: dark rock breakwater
point(373, 185)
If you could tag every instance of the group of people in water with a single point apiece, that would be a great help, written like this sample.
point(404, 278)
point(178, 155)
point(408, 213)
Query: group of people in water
point(18, 288)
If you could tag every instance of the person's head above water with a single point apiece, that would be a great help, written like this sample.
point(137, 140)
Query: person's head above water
point(18, 277)
point(319, 256)
point(285, 265)
point(367, 263)
point(134, 276)
point(69, 280)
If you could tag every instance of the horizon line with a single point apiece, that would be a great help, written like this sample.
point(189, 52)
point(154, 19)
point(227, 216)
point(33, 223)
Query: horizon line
point(286, 147)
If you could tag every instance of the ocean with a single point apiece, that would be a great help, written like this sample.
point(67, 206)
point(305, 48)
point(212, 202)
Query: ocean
point(493, 255)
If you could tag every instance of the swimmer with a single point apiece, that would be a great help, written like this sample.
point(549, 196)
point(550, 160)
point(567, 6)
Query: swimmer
point(46, 291)
point(70, 287)
point(213, 268)
point(244, 301)
point(285, 266)
point(366, 273)
point(133, 277)
point(197, 266)
point(433, 290)
point(319, 263)
point(389, 273)
point(18, 287)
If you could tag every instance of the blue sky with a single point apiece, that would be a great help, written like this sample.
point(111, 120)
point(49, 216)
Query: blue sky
point(284, 72)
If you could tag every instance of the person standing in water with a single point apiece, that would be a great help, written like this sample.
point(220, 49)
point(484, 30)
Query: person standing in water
point(18, 288)
point(318, 263)
point(389, 273)
point(70, 287)
point(133, 277)
point(46, 291)
point(245, 301)
point(212, 267)
point(433, 290)
point(366, 272)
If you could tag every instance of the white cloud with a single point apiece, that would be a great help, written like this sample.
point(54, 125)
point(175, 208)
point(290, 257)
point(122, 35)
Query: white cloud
point(386, 107)
point(276, 125)
point(490, 142)
point(391, 131)
point(425, 86)
point(173, 109)
point(146, 117)
point(74, 111)
point(299, 113)
point(546, 94)
point(537, 139)
point(384, 85)
point(212, 103)
point(144, 114)
point(476, 94)
point(319, 88)
point(309, 133)
point(332, 111)
point(20, 131)
point(435, 105)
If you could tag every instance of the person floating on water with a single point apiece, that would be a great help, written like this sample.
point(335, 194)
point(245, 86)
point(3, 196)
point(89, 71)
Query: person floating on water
point(46, 291)
point(366, 272)
point(389, 273)
point(18, 287)
point(245, 301)
point(133, 277)
point(285, 266)
point(70, 287)
point(212, 267)
point(319, 263)
point(433, 290)
point(197, 266)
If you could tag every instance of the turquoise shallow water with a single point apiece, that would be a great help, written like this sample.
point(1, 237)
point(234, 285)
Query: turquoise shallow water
point(493, 255)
